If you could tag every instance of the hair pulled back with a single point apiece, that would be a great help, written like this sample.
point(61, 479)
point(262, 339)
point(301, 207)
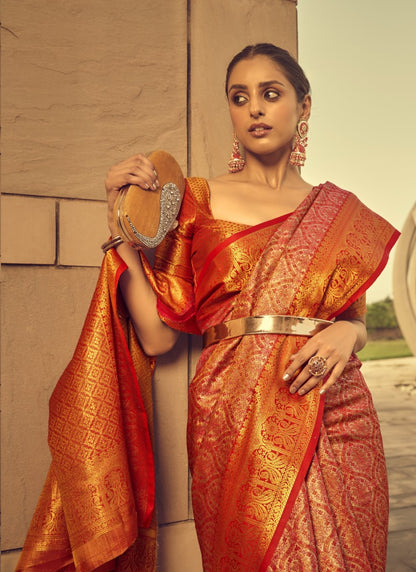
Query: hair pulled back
point(282, 58)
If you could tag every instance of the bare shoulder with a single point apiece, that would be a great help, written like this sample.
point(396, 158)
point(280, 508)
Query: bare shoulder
point(225, 197)
point(236, 198)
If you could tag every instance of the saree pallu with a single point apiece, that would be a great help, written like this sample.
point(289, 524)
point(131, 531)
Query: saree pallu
point(281, 482)
point(96, 510)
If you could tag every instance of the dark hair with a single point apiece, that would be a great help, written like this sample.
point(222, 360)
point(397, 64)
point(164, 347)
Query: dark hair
point(282, 58)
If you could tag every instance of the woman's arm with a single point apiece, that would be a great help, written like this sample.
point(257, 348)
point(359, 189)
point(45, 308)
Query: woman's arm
point(154, 335)
point(361, 331)
point(335, 343)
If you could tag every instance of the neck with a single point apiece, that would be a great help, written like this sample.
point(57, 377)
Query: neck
point(271, 172)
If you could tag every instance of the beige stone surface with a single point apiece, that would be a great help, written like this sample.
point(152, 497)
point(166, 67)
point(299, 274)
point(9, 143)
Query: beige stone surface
point(82, 230)
point(28, 230)
point(43, 309)
point(86, 85)
point(9, 561)
point(229, 27)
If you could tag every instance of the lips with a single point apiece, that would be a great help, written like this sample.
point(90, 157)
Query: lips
point(259, 128)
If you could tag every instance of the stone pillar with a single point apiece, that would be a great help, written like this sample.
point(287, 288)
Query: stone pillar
point(404, 280)
point(85, 85)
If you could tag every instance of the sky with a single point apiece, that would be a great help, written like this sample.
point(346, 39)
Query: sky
point(360, 58)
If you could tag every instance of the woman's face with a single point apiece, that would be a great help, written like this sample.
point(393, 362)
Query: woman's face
point(263, 106)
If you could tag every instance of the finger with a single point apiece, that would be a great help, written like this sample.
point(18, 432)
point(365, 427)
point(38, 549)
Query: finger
point(138, 160)
point(140, 173)
point(143, 180)
point(116, 180)
point(142, 166)
point(136, 170)
point(305, 380)
point(298, 361)
point(333, 378)
point(311, 383)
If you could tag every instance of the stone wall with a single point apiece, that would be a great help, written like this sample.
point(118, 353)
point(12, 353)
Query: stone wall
point(85, 85)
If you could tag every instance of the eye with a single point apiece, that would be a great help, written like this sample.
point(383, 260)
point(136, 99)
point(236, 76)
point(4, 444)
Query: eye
point(271, 95)
point(239, 99)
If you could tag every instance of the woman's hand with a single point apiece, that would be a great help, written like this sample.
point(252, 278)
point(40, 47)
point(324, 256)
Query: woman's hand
point(335, 343)
point(136, 170)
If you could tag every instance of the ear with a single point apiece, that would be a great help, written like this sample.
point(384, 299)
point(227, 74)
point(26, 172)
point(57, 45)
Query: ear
point(305, 107)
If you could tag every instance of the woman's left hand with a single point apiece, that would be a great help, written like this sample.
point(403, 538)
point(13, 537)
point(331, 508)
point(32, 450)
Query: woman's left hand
point(335, 344)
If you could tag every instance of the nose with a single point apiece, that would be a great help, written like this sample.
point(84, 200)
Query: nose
point(256, 109)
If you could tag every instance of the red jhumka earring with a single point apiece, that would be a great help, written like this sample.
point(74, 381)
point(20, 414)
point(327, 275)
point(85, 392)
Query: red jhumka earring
point(298, 155)
point(236, 163)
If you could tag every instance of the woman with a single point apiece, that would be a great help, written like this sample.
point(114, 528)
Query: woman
point(284, 443)
point(277, 482)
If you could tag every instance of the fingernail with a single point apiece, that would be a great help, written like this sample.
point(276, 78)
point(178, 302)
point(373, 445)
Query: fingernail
point(286, 377)
point(292, 390)
point(301, 392)
point(322, 391)
point(157, 183)
point(154, 186)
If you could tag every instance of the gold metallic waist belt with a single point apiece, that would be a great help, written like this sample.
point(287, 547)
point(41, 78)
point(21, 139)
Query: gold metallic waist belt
point(271, 324)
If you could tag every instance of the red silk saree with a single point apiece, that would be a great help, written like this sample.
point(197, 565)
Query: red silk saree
point(280, 482)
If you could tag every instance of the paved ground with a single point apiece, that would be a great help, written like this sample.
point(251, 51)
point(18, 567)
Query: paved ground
point(393, 385)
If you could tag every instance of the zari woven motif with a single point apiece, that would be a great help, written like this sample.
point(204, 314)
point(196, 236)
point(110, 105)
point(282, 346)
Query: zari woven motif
point(98, 500)
point(280, 482)
point(251, 443)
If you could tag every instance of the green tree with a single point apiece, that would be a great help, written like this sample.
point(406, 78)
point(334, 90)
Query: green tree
point(381, 315)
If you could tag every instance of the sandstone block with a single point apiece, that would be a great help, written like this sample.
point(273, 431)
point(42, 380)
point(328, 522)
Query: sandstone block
point(83, 228)
point(28, 230)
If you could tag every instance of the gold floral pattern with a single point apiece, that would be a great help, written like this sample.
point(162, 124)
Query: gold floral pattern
point(280, 481)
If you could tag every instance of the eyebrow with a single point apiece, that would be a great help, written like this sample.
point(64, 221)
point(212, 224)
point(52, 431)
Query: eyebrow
point(261, 84)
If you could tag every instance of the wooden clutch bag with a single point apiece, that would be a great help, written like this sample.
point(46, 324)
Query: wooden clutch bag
point(144, 216)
